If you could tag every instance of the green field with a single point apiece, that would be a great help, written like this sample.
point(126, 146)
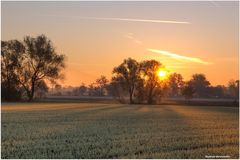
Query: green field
point(90, 130)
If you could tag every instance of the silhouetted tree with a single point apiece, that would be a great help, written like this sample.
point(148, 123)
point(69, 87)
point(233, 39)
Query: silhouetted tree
point(101, 84)
point(82, 89)
point(75, 91)
point(58, 89)
point(11, 57)
point(118, 91)
point(140, 93)
point(110, 89)
point(29, 63)
point(237, 90)
point(200, 85)
point(92, 89)
point(233, 88)
point(41, 89)
point(218, 91)
point(148, 73)
point(188, 91)
point(175, 82)
point(126, 75)
point(40, 63)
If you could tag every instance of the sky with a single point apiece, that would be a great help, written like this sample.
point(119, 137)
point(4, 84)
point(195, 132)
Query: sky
point(186, 37)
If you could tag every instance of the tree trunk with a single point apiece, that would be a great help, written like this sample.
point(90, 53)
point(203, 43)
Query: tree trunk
point(31, 95)
point(131, 96)
point(149, 100)
point(150, 96)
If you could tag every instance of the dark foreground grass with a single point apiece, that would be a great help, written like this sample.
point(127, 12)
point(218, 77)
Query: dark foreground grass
point(85, 130)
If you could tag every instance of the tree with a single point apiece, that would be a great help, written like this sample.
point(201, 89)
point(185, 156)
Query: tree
point(127, 75)
point(27, 64)
point(11, 56)
point(92, 89)
point(175, 82)
point(200, 85)
point(58, 89)
point(101, 84)
point(75, 91)
point(217, 91)
point(152, 82)
point(40, 63)
point(41, 89)
point(233, 88)
point(140, 93)
point(110, 89)
point(188, 91)
point(82, 89)
point(237, 90)
point(117, 90)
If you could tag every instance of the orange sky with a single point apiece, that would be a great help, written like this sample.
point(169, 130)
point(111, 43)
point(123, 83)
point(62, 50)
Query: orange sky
point(97, 36)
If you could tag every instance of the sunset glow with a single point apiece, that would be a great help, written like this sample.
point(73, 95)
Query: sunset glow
point(95, 36)
point(120, 79)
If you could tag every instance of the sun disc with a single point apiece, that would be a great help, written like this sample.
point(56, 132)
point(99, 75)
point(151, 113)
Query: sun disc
point(162, 74)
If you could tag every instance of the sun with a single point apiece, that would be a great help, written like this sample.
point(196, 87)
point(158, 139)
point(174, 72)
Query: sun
point(162, 74)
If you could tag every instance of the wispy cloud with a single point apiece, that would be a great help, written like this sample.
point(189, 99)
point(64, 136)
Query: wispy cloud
point(179, 57)
point(131, 37)
point(124, 19)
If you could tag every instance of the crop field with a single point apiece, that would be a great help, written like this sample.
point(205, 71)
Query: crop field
point(94, 130)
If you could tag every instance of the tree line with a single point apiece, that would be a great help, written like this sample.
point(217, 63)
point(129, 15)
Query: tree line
point(28, 67)
point(130, 84)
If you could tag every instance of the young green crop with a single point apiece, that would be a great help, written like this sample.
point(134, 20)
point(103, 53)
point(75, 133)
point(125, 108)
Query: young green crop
point(88, 130)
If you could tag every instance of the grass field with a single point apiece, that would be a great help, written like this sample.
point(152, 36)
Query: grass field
point(88, 130)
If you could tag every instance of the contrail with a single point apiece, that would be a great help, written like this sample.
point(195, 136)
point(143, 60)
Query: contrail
point(136, 20)
point(176, 56)
point(123, 19)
